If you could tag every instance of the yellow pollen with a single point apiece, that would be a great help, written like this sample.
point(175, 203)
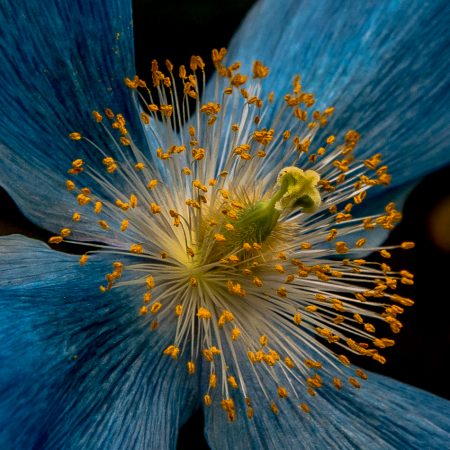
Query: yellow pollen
point(136, 248)
point(172, 351)
point(232, 382)
point(155, 208)
point(152, 184)
point(65, 232)
point(103, 224)
point(191, 367)
point(235, 333)
point(83, 259)
point(55, 240)
point(70, 185)
point(203, 313)
point(75, 136)
point(178, 310)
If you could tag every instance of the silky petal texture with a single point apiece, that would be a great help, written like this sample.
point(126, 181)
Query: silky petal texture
point(382, 64)
point(384, 414)
point(119, 392)
point(59, 63)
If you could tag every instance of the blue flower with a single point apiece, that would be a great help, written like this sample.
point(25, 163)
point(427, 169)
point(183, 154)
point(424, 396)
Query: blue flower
point(223, 262)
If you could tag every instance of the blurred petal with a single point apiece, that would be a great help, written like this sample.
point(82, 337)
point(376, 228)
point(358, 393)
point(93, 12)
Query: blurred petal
point(78, 369)
point(383, 414)
point(59, 63)
point(383, 65)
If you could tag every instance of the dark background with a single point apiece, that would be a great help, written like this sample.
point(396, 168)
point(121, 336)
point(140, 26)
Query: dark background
point(176, 30)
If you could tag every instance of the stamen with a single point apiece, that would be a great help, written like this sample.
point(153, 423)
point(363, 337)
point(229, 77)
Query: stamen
point(244, 230)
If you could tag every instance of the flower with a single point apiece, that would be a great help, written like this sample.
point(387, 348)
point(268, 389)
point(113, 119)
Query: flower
point(230, 258)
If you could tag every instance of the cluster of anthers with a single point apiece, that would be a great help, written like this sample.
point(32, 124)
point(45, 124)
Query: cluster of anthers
point(254, 259)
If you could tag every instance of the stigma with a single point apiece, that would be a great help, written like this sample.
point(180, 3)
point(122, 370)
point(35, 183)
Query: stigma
point(235, 225)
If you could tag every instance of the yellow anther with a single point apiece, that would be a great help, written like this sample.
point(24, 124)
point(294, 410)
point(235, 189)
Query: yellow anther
point(232, 381)
point(75, 136)
point(103, 224)
point(282, 292)
point(76, 216)
point(198, 153)
point(331, 235)
point(172, 351)
point(263, 136)
point(136, 248)
point(178, 310)
point(225, 317)
point(373, 162)
point(311, 308)
point(282, 392)
point(259, 70)
point(274, 408)
point(219, 237)
point(97, 116)
point(125, 141)
point(155, 208)
point(344, 360)
point(55, 240)
point(83, 199)
point(229, 227)
point(360, 242)
point(341, 247)
point(156, 306)
point(263, 340)
point(98, 207)
point(304, 407)
point(83, 259)
point(337, 383)
point(297, 318)
point(109, 114)
point(203, 313)
point(402, 300)
point(354, 382)
point(65, 232)
point(143, 310)
point(124, 225)
point(133, 201)
point(190, 367)
point(70, 185)
point(257, 282)
point(235, 333)
point(361, 374)
point(145, 118)
point(385, 254)
point(407, 245)
point(207, 400)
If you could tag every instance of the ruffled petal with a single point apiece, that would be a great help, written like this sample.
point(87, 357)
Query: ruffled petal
point(383, 414)
point(59, 63)
point(383, 65)
point(80, 369)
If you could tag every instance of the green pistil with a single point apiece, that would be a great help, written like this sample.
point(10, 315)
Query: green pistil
point(297, 190)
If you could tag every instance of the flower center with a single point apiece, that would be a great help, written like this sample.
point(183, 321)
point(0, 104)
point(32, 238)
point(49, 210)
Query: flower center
point(248, 264)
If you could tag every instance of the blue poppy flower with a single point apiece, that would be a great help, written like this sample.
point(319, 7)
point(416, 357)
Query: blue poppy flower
point(224, 249)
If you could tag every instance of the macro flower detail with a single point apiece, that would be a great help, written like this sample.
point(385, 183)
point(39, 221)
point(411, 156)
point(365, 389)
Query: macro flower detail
point(222, 228)
point(245, 249)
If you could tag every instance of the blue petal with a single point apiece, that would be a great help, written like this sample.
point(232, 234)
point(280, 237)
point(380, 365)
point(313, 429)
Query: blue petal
point(78, 369)
point(382, 64)
point(384, 414)
point(59, 62)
